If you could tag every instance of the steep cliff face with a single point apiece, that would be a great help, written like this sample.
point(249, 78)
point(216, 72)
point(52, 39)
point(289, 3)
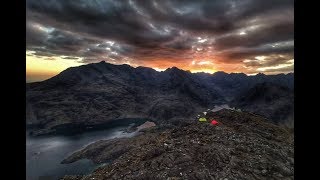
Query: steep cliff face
point(241, 146)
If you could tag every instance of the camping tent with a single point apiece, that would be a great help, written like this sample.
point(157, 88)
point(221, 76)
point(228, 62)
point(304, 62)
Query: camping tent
point(202, 119)
point(214, 122)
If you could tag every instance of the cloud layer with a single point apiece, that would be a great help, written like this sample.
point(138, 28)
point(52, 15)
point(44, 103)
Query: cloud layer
point(227, 35)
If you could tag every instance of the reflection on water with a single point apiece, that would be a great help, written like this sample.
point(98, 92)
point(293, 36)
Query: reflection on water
point(44, 154)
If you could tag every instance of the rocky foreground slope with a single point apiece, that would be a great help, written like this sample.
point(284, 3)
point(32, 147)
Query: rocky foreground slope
point(241, 146)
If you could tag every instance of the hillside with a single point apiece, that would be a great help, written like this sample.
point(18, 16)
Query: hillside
point(273, 101)
point(241, 146)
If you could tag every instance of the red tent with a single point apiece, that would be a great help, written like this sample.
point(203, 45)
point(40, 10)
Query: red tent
point(214, 122)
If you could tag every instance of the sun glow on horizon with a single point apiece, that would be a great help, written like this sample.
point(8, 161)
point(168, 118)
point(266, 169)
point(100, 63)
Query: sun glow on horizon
point(40, 68)
point(211, 71)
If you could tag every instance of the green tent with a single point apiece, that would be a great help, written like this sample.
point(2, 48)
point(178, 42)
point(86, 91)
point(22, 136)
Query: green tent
point(202, 119)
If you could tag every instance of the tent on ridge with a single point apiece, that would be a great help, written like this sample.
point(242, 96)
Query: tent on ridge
point(214, 122)
point(202, 119)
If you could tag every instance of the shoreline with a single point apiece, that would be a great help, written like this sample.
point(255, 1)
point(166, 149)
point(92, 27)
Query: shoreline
point(69, 129)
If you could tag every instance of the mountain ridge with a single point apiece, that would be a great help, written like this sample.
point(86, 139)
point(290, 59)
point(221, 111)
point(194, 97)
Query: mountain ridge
point(150, 68)
point(101, 92)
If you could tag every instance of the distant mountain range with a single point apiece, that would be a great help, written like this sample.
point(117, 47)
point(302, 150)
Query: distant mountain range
point(98, 93)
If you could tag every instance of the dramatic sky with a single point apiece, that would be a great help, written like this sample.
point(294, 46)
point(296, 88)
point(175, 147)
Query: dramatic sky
point(248, 36)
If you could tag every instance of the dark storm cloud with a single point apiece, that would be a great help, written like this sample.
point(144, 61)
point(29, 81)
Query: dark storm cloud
point(238, 54)
point(46, 41)
point(260, 36)
point(159, 29)
point(269, 61)
point(34, 35)
point(60, 39)
point(182, 43)
point(68, 57)
point(42, 52)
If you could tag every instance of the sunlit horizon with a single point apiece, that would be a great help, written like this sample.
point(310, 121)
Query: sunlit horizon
point(40, 69)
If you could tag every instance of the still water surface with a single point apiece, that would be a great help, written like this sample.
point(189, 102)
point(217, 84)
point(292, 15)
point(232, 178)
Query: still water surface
point(44, 154)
